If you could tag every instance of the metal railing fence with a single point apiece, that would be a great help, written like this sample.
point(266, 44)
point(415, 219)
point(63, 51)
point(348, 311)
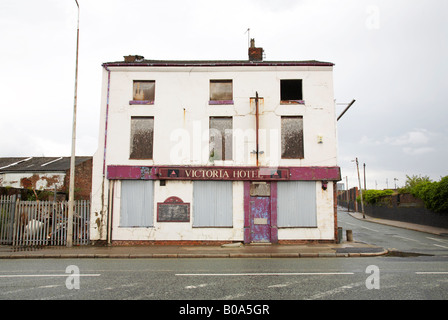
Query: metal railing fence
point(42, 223)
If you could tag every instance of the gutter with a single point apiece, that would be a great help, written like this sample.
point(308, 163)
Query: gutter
point(218, 64)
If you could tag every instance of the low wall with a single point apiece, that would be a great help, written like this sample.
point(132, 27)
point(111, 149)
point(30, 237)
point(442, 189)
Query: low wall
point(402, 207)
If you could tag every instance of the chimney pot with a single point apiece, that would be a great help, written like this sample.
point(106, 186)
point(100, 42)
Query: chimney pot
point(252, 43)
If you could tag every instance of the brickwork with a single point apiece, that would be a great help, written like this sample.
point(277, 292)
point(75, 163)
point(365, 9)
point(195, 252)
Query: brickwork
point(83, 180)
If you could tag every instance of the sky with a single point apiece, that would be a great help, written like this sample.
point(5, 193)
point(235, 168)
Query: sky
point(390, 56)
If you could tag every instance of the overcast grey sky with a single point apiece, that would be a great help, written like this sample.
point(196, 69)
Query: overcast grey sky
point(391, 56)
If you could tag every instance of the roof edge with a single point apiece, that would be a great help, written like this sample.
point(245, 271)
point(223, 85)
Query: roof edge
point(206, 63)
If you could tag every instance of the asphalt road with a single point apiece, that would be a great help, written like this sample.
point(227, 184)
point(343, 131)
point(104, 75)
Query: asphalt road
point(421, 274)
point(388, 278)
point(393, 238)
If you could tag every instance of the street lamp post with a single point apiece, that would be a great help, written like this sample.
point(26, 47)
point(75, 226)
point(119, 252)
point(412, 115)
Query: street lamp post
point(72, 159)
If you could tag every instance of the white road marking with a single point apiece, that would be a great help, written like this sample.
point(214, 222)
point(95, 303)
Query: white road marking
point(198, 286)
point(438, 245)
point(370, 229)
point(439, 240)
point(405, 238)
point(282, 285)
point(45, 275)
point(263, 274)
point(432, 272)
point(339, 290)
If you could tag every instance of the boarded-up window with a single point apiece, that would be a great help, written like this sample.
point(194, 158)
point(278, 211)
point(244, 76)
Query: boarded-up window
point(291, 90)
point(212, 204)
point(137, 203)
point(292, 137)
point(296, 204)
point(221, 90)
point(220, 138)
point(142, 136)
point(144, 90)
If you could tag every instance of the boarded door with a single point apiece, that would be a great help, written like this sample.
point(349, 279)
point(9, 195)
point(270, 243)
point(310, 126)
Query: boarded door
point(260, 212)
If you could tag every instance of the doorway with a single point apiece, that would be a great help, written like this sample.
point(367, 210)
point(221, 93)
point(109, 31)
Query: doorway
point(260, 212)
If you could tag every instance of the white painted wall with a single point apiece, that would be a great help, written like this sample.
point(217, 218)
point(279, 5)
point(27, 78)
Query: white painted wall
point(182, 112)
point(45, 181)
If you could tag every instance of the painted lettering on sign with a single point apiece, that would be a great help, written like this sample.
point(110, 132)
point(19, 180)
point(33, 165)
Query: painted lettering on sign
point(204, 173)
point(223, 173)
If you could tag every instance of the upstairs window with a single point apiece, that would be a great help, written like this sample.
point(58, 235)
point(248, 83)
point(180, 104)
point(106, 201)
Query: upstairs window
point(143, 92)
point(220, 138)
point(292, 137)
point(221, 92)
point(142, 137)
point(291, 91)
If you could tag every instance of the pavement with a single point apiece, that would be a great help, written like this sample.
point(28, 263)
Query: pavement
point(233, 250)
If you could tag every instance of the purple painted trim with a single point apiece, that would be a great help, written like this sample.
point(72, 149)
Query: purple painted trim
point(218, 64)
point(220, 102)
point(274, 229)
point(155, 173)
point(315, 173)
point(139, 102)
point(287, 102)
point(131, 173)
point(247, 236)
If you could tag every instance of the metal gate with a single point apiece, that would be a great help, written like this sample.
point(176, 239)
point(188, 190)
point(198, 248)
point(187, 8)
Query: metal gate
point(42, 223)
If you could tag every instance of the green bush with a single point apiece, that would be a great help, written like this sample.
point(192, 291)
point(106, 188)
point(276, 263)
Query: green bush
point(433, 194)
point(373, 196)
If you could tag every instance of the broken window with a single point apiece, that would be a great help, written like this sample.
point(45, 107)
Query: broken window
point(291, 91)
point(292, 137)
point(142, 137)
point(220, 138)
point(221, 90)
point(144, 91)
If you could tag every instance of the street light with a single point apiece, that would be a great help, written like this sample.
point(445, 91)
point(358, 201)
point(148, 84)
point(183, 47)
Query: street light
point(72, 159)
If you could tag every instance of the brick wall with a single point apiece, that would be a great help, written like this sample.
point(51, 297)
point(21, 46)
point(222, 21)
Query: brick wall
point(83, 180)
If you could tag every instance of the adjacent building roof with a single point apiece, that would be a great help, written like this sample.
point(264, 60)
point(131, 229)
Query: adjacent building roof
point(38, 164)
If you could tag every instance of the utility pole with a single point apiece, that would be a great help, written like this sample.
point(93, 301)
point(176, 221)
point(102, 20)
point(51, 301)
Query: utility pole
point(365, 188)
point(347, 194)
point(71, 197)
point(360, 190)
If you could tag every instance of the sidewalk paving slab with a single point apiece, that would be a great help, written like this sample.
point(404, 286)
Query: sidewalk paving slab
point(345, 249)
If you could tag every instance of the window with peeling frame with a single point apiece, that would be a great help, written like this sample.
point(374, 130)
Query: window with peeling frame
point(292, 137)
point(291, 91)
point(220, 138)
point(142, 137)
point(144, 90)
point(221, 91)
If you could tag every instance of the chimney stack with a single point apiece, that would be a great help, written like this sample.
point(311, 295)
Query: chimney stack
point(133, 58)
point(255, 54)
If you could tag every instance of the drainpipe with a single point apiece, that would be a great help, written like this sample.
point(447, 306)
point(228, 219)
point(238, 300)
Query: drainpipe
point(256, 124)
